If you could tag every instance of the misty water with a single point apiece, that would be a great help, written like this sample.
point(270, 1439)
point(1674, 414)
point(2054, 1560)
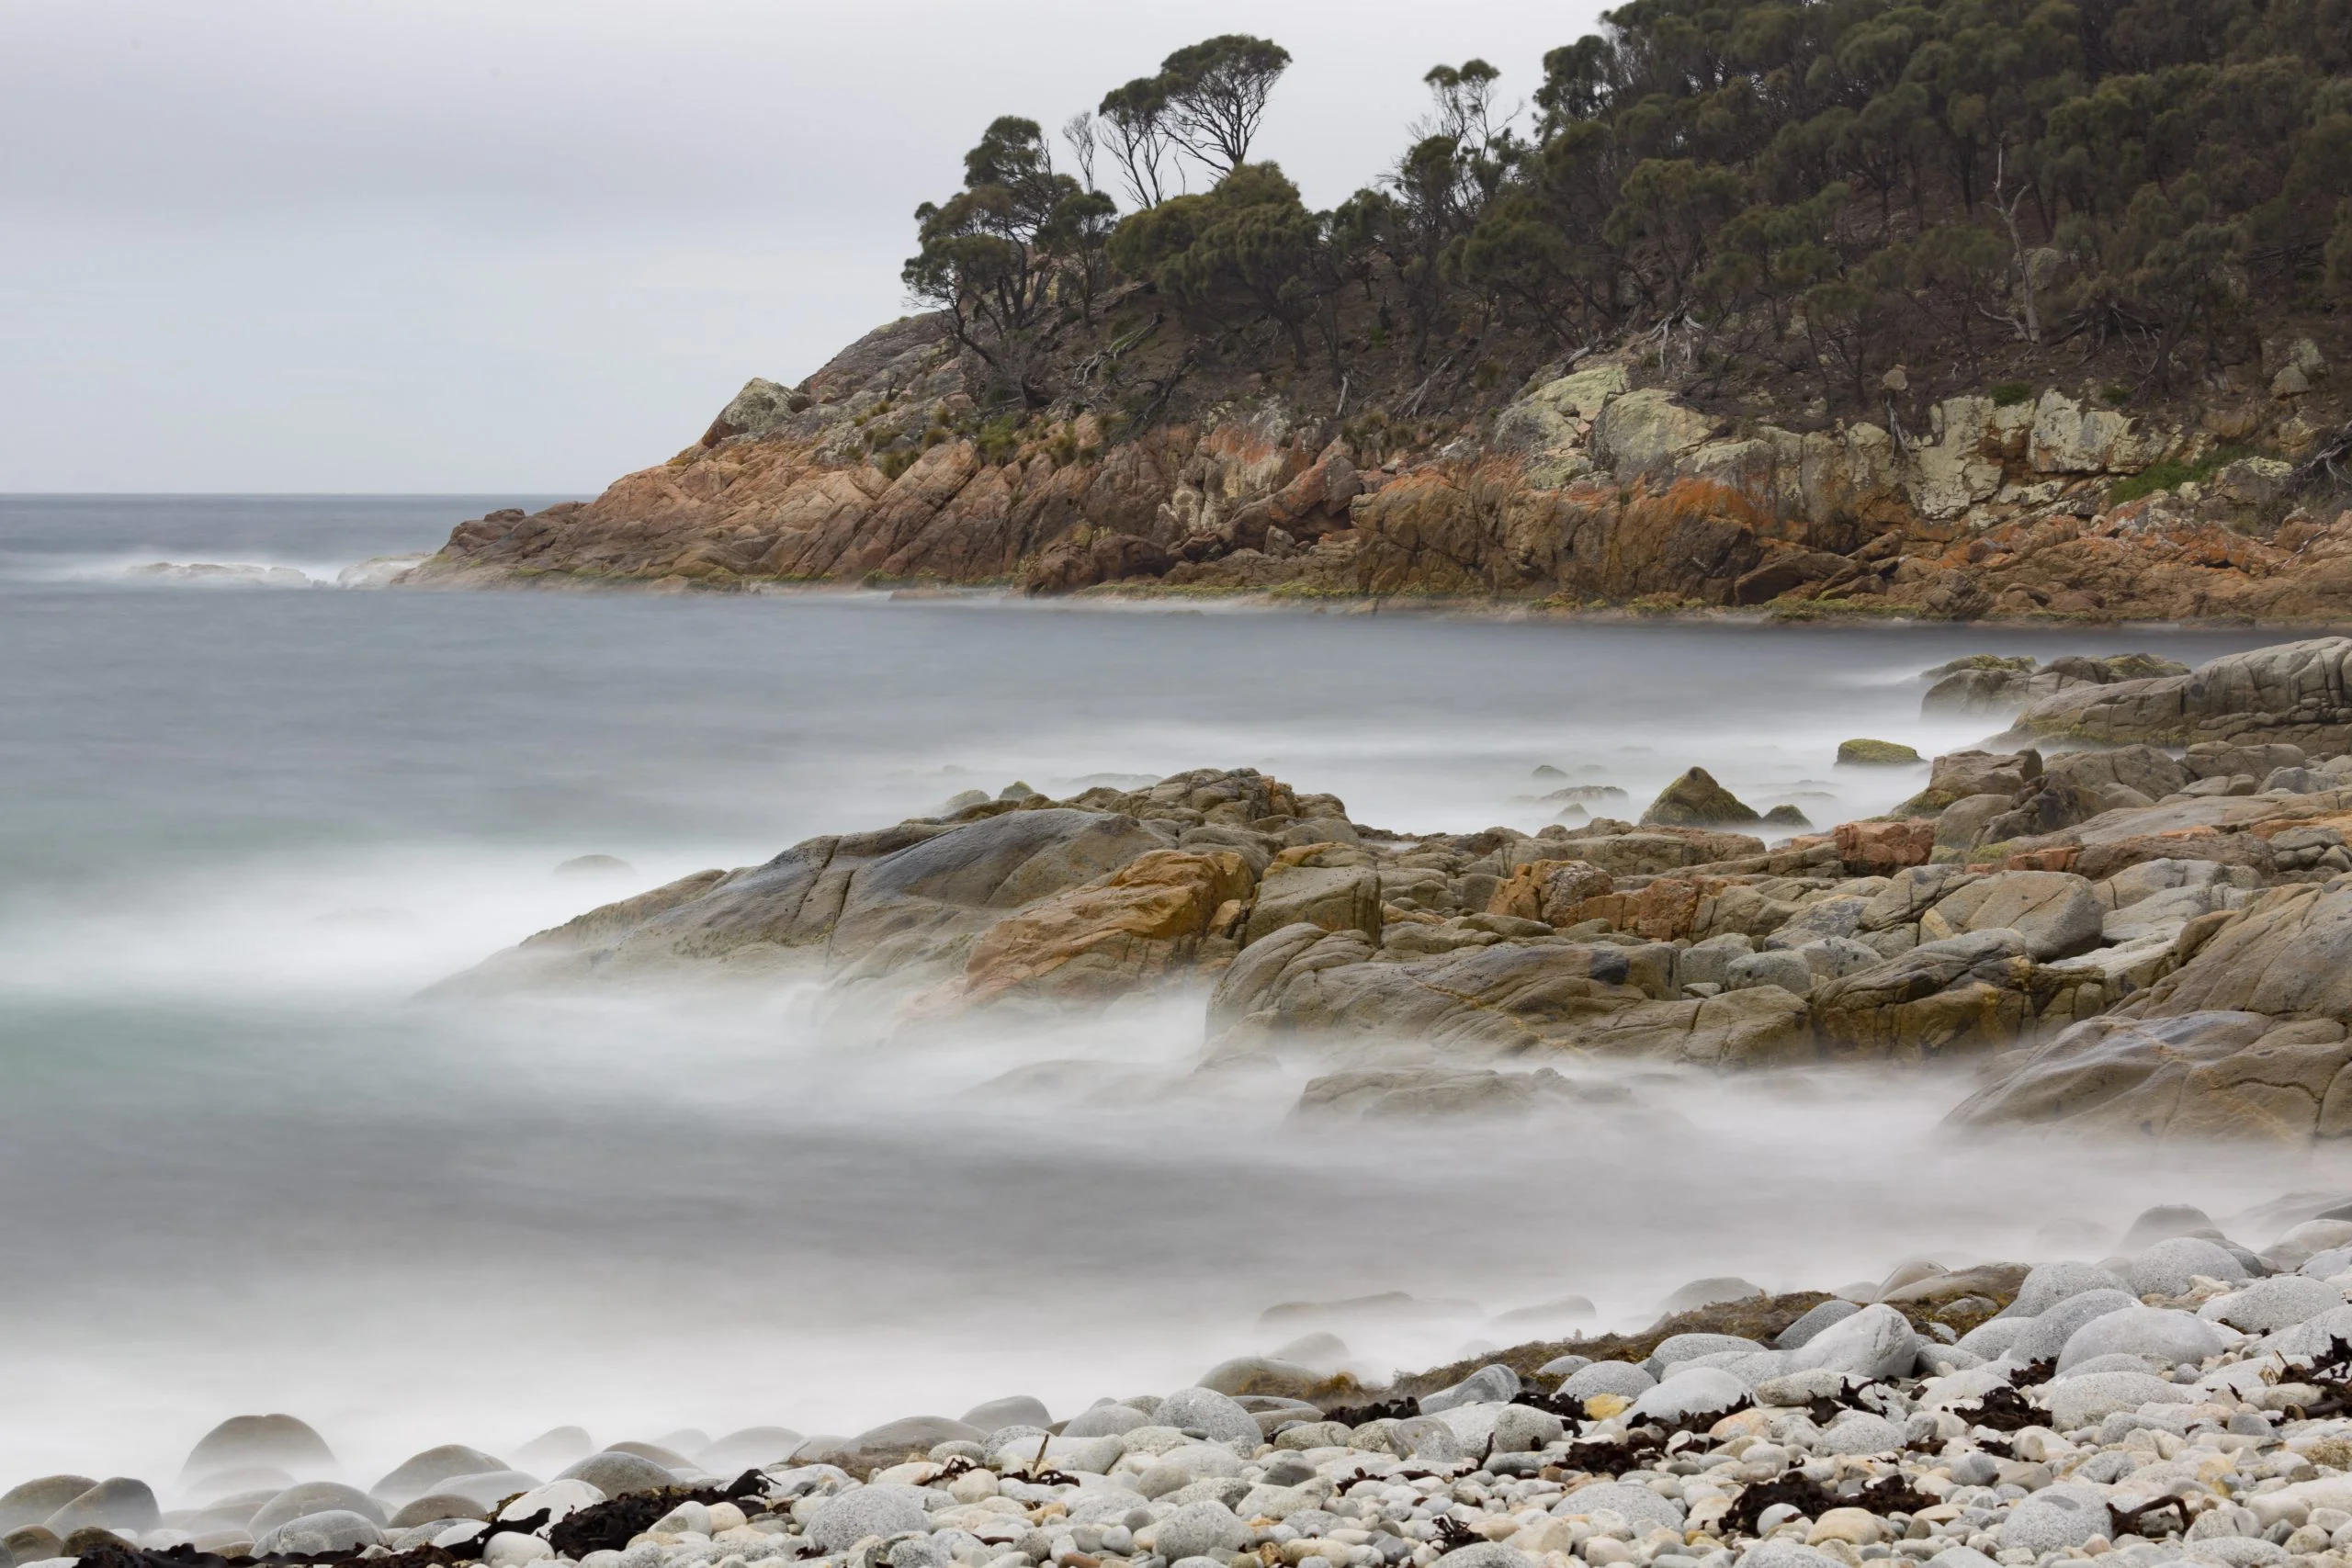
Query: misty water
point(246, 1169)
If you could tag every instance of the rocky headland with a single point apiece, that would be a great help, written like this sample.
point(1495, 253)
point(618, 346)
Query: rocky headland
point(1600, 484)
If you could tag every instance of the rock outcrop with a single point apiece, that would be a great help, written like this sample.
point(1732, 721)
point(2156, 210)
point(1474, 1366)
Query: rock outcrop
point(2298, 693)
point(1588, 486)
point(2137, 940)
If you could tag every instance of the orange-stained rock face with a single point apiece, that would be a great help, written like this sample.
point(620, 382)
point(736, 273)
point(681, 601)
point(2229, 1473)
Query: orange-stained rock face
point(2002, 513)
point(1882, 849)
point(1151, 916)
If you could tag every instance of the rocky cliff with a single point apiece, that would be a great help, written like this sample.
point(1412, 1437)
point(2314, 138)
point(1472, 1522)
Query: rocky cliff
point(1596, 485)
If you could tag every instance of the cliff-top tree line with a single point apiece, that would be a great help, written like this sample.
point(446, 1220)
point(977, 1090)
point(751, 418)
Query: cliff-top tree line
point(1818, 191)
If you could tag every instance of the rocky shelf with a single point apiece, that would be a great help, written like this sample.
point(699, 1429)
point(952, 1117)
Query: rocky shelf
point(2147, 935)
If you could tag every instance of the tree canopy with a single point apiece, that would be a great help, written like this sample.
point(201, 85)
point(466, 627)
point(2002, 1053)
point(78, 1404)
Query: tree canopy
point(1811, 190)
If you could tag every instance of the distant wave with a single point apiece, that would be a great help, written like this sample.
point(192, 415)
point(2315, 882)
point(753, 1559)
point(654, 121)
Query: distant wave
point(376, 571)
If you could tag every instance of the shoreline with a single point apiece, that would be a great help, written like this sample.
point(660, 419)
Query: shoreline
point(1464, 607)
point(2183, 1400)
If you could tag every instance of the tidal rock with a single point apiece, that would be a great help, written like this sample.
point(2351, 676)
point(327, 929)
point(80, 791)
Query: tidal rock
point(33, 1501)
point(1019, 1409)
point(315, 1497)
point(487, 1487)
point(1105, 1421)
point(1262, 1375)
point(753, 1447)
point(31, 1543)
point(554, 1448)
point(436, 1507)
point(1877, 754)
point(613, 1472)
point(912, 1433)
point(419, 1474)
point(282, 1440)
point(1696, 800)
point(1713, 1291)
point(121, 1503)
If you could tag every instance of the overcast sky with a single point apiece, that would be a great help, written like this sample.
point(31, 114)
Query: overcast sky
point(529, 244)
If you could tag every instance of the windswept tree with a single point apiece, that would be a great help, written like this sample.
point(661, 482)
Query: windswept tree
point(1085, 142)
point(998, 257)
point(1438, 191)
point(1217, 92)
point(1132, 122)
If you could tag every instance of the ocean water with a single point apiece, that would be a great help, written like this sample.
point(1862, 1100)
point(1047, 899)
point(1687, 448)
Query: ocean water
point(245, 1168)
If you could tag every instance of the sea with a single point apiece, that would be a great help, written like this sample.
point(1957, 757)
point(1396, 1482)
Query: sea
point(249, 816)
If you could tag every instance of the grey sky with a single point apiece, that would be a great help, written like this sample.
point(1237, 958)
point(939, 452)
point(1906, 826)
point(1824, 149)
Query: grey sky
point(529, 244)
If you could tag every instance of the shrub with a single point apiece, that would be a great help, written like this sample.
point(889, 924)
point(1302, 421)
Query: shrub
point(2172, 473)
point(2009, 394)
